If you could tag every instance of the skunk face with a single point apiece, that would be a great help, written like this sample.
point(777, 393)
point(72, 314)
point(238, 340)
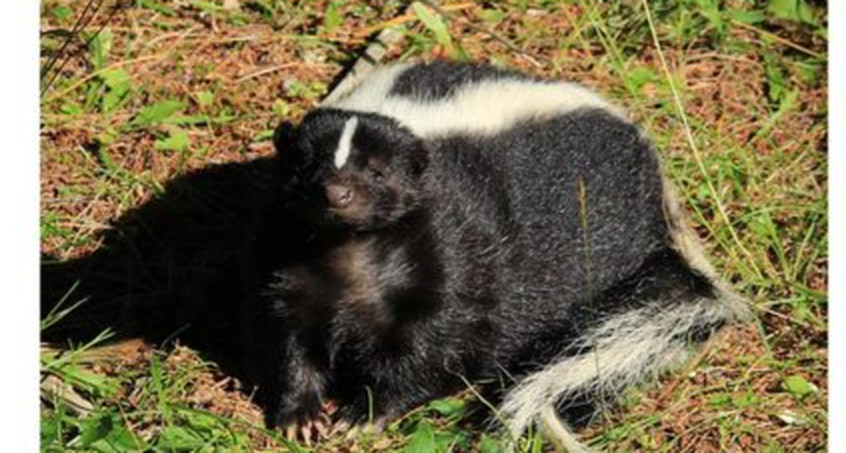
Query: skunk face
point(351, 170)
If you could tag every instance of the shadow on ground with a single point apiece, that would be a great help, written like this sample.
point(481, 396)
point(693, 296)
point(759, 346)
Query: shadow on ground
point(170, 268)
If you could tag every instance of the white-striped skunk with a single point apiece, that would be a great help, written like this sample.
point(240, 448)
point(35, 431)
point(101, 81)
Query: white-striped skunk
point(446, 223)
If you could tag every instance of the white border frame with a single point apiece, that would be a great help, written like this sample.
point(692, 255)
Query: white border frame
point(19, 241)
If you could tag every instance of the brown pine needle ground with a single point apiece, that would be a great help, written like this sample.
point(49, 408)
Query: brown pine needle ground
point(750, 79)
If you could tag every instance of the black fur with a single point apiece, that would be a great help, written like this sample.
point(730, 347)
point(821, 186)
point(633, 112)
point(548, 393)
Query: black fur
point(440, 79)
point(476, 256)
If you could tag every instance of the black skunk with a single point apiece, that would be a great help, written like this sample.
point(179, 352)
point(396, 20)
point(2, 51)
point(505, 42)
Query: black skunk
point(447, 223)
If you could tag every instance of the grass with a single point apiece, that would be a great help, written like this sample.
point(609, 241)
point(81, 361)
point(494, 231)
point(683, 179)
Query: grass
point(732, 92)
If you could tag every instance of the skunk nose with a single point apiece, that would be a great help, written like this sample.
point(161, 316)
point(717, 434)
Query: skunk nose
point(338, 195)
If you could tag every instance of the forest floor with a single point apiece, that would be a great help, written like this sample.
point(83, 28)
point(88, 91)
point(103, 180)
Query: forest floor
point(734, 94)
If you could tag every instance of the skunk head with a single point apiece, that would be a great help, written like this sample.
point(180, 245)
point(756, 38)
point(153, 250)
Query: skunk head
point(350, 170)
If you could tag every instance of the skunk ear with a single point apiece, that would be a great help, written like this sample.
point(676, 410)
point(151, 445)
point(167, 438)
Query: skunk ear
point(285, 143)
point(284, 137)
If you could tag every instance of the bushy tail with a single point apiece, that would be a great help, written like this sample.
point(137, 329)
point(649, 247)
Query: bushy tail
point(623, 350)
point(627, 347)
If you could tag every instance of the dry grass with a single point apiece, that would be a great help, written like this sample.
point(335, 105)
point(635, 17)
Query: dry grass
point(754, 92)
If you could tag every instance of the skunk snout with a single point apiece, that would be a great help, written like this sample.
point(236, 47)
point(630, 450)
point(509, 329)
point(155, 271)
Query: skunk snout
point(338, 195)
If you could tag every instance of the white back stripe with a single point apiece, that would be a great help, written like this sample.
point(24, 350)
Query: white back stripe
point(485, 107)
point(345, 142)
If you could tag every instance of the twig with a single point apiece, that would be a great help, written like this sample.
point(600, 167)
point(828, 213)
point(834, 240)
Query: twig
point(407, 17)
point(100, 353)
point(478, 28)
point(265, 71)
point(106, 69)
point(53, 388)
point(182, 35)
point(778, 39)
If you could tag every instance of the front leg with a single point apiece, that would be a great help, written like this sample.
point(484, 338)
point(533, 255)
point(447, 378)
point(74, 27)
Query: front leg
point(295, 393)
point(289, 382)
point(290, 390)
point(382, 377)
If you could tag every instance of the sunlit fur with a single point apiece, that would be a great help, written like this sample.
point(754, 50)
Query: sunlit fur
point(519, 231)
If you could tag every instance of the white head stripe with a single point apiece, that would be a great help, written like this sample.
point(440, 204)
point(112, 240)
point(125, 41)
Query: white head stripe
point(345, 142)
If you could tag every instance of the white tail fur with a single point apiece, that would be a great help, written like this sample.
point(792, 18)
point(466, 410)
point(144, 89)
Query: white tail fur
point(624, 349)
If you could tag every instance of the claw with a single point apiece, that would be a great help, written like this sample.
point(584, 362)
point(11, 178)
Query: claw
point(313, 430)
point(322, 425)
point(291, 432)
point(340, 427)
point(305, 431)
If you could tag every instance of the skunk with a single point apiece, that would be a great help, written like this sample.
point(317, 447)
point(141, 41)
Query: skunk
point(440, 224)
